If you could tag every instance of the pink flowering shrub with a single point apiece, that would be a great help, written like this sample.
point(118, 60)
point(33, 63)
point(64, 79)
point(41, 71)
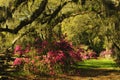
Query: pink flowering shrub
point(106, 53)
point(20, 51)
point(42, 57)
point(63, 45)
point(44, 60)
point(86, 54)
point(92, 55)
point(56, 56)
point(17, 62)
point(75, 56)
point(85, 57)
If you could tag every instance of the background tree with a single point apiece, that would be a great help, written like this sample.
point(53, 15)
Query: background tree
point(97, 26)
point(17, 17)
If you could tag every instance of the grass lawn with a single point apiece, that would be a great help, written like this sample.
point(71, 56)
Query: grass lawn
point(100, 63)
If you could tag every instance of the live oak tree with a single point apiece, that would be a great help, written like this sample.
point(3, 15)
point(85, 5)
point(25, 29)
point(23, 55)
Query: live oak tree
point(18, 16)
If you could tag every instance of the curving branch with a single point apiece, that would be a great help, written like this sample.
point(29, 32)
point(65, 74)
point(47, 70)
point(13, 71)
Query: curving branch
point(8, 11)
point(22, 24)
point(117, 46)
point(58, 9)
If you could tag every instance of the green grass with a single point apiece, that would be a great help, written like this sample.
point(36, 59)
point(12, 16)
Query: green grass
point(98, 63)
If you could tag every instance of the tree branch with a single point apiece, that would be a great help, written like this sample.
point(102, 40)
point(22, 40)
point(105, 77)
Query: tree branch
point(56, 12)
point(67, 15)
point(26, 22)
point(8, 12)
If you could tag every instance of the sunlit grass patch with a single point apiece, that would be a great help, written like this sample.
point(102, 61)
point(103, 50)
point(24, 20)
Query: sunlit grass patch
point(98, 63)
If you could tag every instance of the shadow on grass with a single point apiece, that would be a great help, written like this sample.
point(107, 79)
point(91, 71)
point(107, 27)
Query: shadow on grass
point(95, 72)
point(94, 68)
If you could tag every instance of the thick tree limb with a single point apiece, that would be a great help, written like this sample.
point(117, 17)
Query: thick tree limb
point(61, 18)
point(56, 12)
point(67, 15)
point(8, 12)
point(26, 22)
point(116, 46)
point(17, 4)
point(53, 15)
point(47, 18)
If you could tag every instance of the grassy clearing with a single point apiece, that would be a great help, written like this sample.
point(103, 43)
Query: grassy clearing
point(98, 64)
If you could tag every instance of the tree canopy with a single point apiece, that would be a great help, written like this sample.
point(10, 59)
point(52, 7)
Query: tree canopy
point(91, 22)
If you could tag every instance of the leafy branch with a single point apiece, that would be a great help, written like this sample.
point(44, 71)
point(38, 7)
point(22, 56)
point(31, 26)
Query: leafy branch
point(22, 24)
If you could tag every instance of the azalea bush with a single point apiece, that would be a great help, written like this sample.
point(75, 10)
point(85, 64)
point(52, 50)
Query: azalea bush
point(48, 58)
point(86, 54)
point(106, 53)
point(89, 55)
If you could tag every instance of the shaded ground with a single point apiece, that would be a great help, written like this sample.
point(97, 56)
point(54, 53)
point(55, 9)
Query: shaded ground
point(97, 74)
point(81, 74)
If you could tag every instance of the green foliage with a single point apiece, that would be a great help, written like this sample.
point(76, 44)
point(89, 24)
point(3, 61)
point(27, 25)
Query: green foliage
point(95, 27)
point(84, 29)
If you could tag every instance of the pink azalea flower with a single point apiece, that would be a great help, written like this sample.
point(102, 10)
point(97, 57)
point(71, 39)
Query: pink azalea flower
point(26, 60)
point(51, 53)
point(32, 61)
point(60, 56)
point(75, 56)
point(27, 50)
point(52, 73)
point(17, 62)
point(86, 57)
point(39, 50)
point(44, 44)
point(37, 39)
point(18, 50)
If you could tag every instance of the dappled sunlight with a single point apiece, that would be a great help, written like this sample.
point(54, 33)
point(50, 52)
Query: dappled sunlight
point(98, 63)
